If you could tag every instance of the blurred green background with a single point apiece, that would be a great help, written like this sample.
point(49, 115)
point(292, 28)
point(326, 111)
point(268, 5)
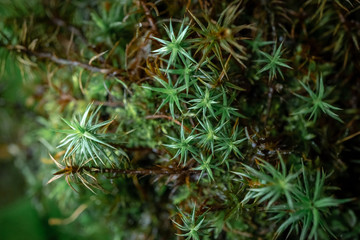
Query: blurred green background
point(18, 217)
point(22, 216)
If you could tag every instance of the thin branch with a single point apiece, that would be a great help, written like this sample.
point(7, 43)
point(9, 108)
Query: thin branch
point(109, 104)
point(149, 17)
point(150, 171)
point(61, 61)
point(72, 218)
point(348, 137)
point(61, 23)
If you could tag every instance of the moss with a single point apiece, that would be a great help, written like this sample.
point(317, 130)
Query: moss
point(203, 119)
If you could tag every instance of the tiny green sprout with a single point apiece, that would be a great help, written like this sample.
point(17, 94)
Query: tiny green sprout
point(169, 93)
point(208, 134)
point(256, 43)
point(273, 183)
point(204, 101)
point(176, 46)
point(191, 225)
point(225, 109)
point(107, 20)
point(186, 73)
point(273, 62)
point(315, 104)
point(206, 166)
point(229, 143)
point(84, 139)
point(310, 207)
point(183, 145)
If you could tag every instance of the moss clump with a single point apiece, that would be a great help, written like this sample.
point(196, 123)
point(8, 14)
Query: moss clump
point(204, 120)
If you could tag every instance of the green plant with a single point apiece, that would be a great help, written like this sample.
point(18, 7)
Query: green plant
point(205, 166)
point(176, 46)
point(186, 73)
point(184, 145)
point(204, 101)
point(165, 104)
point(85, 142)
point(230, 143)
point(225, 110)
point(273, 62)
point(192, 225)
point(208, 134)
point(311, 207)
point(271, 183)
point(170, 93)
point(315, 104)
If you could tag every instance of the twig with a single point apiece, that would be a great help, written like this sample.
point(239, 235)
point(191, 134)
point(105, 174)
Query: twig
point(109, 104)
point(149, 171)
point(61, 23)
point(73, 217)
point(152, 171)
point(348, 137)
point(112, 72)
point(61, 61)
point(149, 17)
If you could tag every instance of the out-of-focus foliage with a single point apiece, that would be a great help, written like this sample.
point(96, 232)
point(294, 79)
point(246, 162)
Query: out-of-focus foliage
point(185, 119)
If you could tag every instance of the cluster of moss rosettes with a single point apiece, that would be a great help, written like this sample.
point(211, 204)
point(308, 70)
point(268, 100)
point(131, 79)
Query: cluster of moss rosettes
point(225, 120)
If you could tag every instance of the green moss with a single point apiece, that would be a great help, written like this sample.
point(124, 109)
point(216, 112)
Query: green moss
point(206, 120)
